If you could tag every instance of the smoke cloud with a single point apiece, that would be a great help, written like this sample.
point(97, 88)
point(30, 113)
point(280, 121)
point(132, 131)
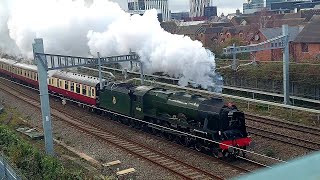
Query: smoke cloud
point(74, 28)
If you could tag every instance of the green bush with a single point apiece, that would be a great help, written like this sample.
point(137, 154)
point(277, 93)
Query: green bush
point(269, 152)
point(32, 163)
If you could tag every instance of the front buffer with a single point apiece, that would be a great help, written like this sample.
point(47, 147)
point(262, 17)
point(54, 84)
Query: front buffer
point(230, 147)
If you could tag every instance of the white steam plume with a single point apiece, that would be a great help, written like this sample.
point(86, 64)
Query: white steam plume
point(72, 28)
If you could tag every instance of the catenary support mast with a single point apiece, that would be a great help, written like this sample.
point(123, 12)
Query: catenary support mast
point(280, 42)
point(46, 62)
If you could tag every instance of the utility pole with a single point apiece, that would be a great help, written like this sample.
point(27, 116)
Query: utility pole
point(46, 62)
point(44, 95)
point(286, 65)
point(280, 42)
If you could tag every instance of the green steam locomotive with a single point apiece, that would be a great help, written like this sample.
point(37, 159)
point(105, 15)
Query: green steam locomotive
point(206, 124)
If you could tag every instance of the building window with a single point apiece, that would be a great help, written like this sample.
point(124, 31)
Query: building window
point(304, 47)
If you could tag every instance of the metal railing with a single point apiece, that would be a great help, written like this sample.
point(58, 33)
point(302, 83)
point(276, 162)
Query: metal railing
point(6, 171)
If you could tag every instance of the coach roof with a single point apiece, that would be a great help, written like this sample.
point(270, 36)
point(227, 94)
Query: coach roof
point(79, 78)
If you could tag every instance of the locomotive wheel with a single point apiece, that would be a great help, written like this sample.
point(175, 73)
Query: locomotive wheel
point(197, 147)
point(154, 131)
point(137, 125)
point(243, 152)
point(167, 134)
point(225, 154)
point(215, 152)
point(185, 141)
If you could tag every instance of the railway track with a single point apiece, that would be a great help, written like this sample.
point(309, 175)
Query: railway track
point(291, 138)
point(172, 164)
point(284, 124)
point(299, 142)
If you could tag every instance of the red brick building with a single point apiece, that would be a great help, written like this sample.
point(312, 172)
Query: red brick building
point(307, 44)
point(269, 33)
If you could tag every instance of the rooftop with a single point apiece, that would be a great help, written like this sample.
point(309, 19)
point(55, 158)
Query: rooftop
point(311, 32)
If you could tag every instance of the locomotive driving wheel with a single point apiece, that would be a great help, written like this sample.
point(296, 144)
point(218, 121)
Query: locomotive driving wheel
point(215, 152)
point(167, 134)
point(185, 141)
point(243, 152)
point(198, 146)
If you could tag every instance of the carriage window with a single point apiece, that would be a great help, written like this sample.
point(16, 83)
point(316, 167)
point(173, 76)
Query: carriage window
point(66, 85)
point(78, 88)
point(92, 92)
point(84, 89)
point(60, 84)
point(72, 86)
point(89, 92)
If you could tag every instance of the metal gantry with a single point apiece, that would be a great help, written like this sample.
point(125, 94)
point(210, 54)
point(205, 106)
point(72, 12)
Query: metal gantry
point(46, 62)
point(280, 42)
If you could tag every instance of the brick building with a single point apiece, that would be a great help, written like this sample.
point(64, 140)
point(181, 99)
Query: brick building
point(307, 44)
point(269, 33)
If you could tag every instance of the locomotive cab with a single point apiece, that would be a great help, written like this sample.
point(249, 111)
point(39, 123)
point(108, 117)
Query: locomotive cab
point(233, 130)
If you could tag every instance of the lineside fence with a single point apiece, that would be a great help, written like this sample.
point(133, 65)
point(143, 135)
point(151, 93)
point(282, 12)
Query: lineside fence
point(265, 108)
point(6, 171)
point(300, 89)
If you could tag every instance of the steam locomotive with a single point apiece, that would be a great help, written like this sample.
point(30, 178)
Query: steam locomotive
point(206, 124)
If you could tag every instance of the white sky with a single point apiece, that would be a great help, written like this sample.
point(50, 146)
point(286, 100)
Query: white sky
point(225, 6)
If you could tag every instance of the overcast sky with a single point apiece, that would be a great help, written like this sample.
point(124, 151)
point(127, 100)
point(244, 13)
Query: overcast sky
point(225, 6)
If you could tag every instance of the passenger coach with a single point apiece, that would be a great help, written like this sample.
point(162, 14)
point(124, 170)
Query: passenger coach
point(70, 85)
